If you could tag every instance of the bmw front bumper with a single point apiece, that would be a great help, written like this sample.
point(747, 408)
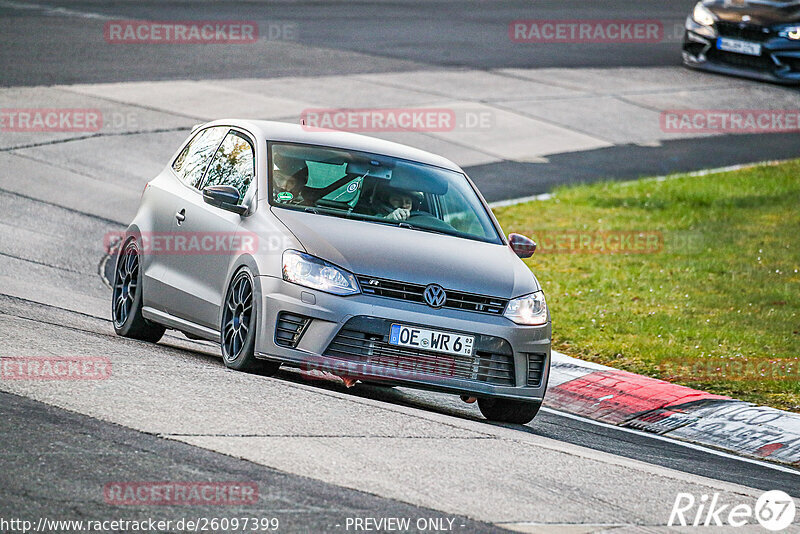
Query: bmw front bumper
point(347, 336)
point(779, 61)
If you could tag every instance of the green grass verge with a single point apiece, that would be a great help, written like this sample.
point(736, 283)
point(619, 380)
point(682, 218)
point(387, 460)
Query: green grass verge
point(713, 301)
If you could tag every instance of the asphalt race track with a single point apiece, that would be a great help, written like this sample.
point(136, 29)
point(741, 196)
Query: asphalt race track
point(330, 38)
point(47, 43)
point(320, 453)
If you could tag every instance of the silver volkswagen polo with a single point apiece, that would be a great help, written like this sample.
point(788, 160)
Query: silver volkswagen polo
point(336, 252)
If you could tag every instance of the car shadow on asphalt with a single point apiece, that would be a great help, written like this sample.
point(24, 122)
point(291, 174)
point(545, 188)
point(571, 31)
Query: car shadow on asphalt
point(440, 403)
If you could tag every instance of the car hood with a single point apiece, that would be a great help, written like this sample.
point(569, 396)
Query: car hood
point(761, 13)
point(406, 255)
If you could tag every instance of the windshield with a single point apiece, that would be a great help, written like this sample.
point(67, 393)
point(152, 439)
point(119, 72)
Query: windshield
point(377, 189)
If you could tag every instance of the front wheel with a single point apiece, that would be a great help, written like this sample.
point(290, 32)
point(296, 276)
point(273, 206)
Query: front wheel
point(509, 411)
point(238, 331)
point(126, 299)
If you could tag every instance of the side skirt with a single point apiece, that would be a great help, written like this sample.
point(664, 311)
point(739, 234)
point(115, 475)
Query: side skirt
point(170, 321)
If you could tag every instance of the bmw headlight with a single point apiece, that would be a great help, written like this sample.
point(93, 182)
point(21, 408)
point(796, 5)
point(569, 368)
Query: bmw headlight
point(310, 271)
point(528, 310)
point(792, 32)
point(702, 15)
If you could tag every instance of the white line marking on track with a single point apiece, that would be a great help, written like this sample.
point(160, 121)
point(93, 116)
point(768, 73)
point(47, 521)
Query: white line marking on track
point(520, 200)
point(51, 10)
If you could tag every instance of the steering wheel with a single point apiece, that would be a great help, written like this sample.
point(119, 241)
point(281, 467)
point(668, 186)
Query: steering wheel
point(429, 221)
point(418, 213)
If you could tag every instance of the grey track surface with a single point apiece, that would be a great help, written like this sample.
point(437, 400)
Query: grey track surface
point(65, 457)
point(58, 467)
point(61, 42)
point(401, 445)
point(310, 444)
point(332, 37)
point(510, 179)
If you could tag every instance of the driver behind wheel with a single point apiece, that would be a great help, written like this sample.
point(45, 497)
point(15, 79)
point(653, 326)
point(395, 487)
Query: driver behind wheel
point(399, 203)
point(289, 178)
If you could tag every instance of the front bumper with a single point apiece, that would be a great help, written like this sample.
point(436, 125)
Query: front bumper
point(510, 361)
point(779, 61)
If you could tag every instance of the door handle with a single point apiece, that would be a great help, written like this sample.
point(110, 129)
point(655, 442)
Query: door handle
point(180, 216)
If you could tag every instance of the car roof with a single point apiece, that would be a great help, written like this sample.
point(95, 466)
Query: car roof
point(295, 133)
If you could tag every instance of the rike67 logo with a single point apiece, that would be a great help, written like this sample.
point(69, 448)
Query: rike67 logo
point(774, 510)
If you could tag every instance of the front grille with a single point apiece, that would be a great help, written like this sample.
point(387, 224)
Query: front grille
point(748, 32)
point(290, 328)
point(457, 300)
point(741, 60)
point(366, 340)
point(536, 361)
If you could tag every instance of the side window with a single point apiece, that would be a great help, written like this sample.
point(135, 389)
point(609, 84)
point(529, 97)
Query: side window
point(233, 164)
point(193, 160)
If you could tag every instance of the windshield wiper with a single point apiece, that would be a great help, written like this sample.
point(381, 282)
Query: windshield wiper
point(403, 224)
point(317, 210)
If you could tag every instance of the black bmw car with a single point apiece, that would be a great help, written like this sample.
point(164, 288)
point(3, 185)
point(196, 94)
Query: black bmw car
point(751, 38)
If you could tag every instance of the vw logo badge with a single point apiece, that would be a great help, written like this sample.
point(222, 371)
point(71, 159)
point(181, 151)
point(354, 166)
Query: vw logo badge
point(435, 296)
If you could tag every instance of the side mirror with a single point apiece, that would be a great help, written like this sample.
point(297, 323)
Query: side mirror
point(225, 197)
point(524, 247)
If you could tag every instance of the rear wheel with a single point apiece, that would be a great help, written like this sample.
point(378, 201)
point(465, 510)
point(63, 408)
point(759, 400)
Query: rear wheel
point(509, 411)
point(126, 300)
point(238, 331)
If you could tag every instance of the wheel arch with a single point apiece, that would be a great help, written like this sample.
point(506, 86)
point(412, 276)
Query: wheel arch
point(243, 261)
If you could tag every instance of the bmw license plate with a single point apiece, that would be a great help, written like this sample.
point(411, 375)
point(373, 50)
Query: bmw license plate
point(738, 46)
point(435, 340)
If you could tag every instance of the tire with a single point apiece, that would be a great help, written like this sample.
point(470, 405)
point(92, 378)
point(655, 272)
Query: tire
point(126, 298)
point(238, 328)
point(509, 411)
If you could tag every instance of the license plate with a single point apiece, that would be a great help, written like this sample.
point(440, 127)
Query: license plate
point(435, 340)
point(740, 47)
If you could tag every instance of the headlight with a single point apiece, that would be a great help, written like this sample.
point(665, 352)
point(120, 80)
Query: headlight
point(306, 270)
point(792, 33)
point(702, 15)
point(528, 310)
